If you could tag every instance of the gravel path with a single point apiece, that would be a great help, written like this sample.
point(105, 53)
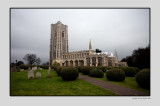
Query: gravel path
point(123, 91)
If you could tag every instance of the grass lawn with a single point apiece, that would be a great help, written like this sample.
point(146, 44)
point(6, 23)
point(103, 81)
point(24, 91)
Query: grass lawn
point(20, 85)
point(129, 82)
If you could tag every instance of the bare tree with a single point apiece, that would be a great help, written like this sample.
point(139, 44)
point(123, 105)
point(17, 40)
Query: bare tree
point(32, 59)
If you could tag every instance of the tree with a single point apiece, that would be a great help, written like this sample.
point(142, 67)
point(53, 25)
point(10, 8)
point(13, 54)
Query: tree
point(19, 63)
point(98, 51)
point(140, 58)
point(46, 63)
point(32, 59)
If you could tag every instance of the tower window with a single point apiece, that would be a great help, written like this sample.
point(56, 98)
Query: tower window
point(54, 47)
point(63, 34)
point(55, 34)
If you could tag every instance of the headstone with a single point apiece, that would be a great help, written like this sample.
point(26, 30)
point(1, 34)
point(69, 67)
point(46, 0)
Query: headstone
point(48, 76)
point(30, 74)
point(38, 75)
point(21, 70)
point(49, 68)
point(13, 69)
point(18, 69)
point(29, 68)
point(40, 68)
point(35, 68)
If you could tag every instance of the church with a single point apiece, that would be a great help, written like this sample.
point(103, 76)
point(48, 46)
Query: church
point(59, 51)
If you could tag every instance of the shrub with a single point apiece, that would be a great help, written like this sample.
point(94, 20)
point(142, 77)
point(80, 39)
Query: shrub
point(115, 74)
point(55, 65)
point(129, 71)
point(86, 70)
point(109, 67)
point(43, 66)
point(23, 66)
point(69, 73)
point(102, 68)
point(96, 73)
point(143, 78)
point(58, 70)
point(79, 69)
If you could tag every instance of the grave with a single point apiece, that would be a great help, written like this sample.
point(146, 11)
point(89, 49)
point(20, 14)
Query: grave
point(21, 70)
point(30, 74)
point(38, 75)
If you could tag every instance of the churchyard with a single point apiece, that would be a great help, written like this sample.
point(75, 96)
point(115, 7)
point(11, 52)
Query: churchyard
point(21, 86)
point(36, 81)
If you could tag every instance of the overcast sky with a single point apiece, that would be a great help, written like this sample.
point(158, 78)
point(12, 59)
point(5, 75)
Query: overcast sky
point(108, 29)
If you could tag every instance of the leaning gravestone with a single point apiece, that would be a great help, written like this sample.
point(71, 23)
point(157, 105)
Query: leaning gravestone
point(30, 74)
point(38, 75)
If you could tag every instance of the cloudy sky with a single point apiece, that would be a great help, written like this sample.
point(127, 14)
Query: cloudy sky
point(108, 29)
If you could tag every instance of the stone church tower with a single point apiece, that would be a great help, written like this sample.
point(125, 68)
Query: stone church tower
point(58, 41)
point(59, 51)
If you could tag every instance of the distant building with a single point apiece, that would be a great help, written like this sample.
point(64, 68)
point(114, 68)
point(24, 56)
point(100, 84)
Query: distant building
point(59, 51)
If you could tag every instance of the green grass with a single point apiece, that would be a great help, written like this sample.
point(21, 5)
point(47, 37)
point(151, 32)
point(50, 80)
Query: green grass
point(129, 82)
point(20, 85)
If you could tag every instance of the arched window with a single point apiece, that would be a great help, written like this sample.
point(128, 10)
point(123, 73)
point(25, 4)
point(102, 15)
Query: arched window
point(55, 34)
point(109, 63)
point(62, 33)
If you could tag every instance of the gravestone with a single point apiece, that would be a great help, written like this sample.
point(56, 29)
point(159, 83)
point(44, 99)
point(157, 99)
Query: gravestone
point(18, 69)
point(35, 68)
point(40, 68)
point(29, 68)
point(21, 70)
point(31, 74)
point(13, 69)
point(48, 76)
point(38, 75)
point(49, 68)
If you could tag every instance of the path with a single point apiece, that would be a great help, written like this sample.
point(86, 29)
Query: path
point(123, 91)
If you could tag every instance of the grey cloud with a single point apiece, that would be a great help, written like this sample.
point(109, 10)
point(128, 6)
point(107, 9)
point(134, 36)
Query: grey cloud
point(109, 29)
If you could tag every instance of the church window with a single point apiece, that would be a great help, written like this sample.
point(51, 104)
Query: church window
point(63, 34)
point(55, 34)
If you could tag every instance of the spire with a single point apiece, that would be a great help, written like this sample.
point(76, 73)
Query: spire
point(116, 57)
point(90, 46)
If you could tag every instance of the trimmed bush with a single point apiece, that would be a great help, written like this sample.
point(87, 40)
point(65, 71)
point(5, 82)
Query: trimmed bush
point(96, 73)
point(55, 65)
point(143, 78)
point(79, 68)
point(69, 73)
point(115, 74)
point(86, 70)
point(58, 70)
point(130, 71)
point(102, 68)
